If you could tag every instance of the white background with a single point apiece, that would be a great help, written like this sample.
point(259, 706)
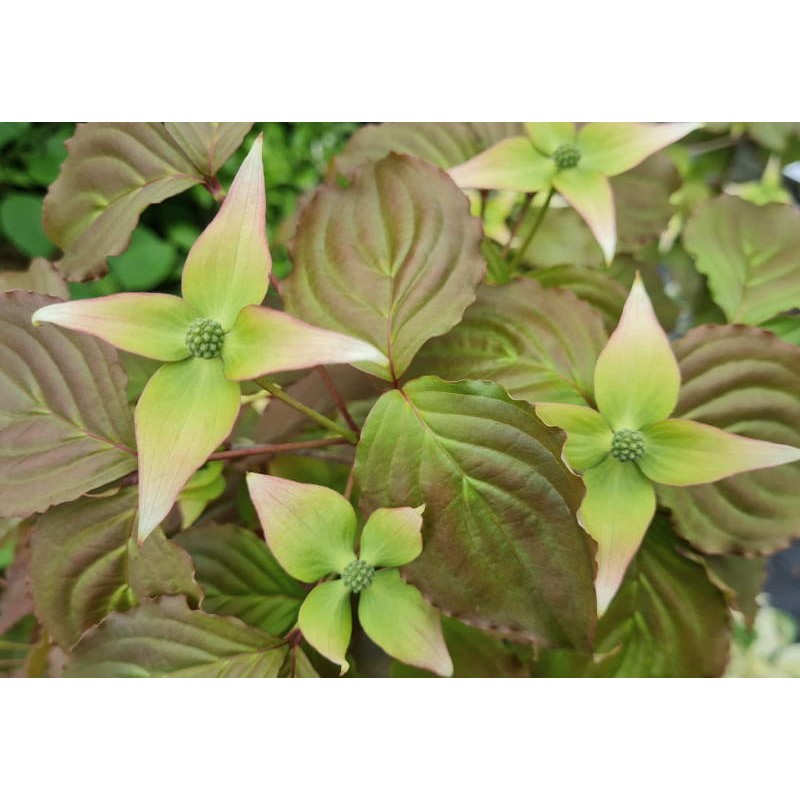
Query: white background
point(163, 740)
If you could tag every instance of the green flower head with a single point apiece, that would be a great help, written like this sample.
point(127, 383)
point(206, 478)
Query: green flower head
point(311, 531)
point(630, 442)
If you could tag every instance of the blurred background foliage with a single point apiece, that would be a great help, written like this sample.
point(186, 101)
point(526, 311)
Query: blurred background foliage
point(30, 158)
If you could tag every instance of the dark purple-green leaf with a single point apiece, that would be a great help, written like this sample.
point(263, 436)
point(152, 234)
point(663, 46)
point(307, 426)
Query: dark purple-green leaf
point(502, 548)
point(538, 344)
point(65, 424)
point(393, 259)
point(746, 381)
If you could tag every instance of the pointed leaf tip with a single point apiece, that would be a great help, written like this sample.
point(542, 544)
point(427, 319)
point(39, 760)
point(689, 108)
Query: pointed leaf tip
point(228, 266)
point(637, 380)
point(682, 452)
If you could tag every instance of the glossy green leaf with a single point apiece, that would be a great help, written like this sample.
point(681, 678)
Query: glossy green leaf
point(208, 144)
point(667, 621)
point(241, 578)
point(513, 164)
point(86, 564)
point(113, 172)
point(391, 537)
point(10, 131)
point(398, 619)
point(394, 259)
point(168, 640)
point(21, 222)
point(618, 507)
point(65, 425)
point(149, 325)
point(40, 277)
point(265, 341)
point(636, 381)
point(185, 412)
point(326, 621)
point(443, 144)
point(311, 530)
point(228, 266)
point(682, 452)
point(539, 344)
point(502, 548)
point(588, 435)
point(750, 255)
point(589, 193)
point(745, 381)
point(614, 147)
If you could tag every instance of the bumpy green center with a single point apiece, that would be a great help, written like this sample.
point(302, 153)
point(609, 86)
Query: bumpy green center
point(204, 338)
point(358, 575)
point(567, 156)
point(627, 445)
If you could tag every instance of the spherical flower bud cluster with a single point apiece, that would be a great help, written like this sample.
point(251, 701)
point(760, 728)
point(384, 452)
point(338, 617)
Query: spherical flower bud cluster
point(204, 338)
point(358, 575)
point(567, 156)
point(627, 445)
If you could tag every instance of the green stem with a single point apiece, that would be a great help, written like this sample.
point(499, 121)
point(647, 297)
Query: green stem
point(537, 223)
point(321, 419)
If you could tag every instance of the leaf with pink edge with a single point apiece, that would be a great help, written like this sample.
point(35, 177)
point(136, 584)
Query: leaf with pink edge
point(149, 325)
point(327, 621)
point(311, 530)
point(228, 266)
point(185, 412)
point(636, 381)
point(208, 144)
point(392, 537)
point(265, 341)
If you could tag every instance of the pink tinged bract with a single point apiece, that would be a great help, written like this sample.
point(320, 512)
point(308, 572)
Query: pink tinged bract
point(681, 452)
point(228, 266)
point(637, 379)
point(588, 435)
point(398, 618)
point(264, 340)
point(185, 412)
point(615, 147)
point(549, 136)
point(392, 536)
point(512, 163)
point(326, 621)
point(310, 529)
point(618, 507)
point(150, 325)
point(589, 193)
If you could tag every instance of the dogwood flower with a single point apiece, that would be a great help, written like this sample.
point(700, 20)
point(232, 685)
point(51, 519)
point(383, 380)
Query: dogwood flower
point(630, 443)
point(311, 531)
point(575, 163)
point(214, 336)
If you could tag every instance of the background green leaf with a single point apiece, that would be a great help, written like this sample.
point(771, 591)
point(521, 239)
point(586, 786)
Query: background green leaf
point(21, 222)
point(241, 577)
point(167, 639)
point(750, 254)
